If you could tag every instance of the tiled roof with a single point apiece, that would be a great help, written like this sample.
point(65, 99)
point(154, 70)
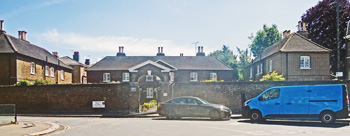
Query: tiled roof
point(292, 43)
point(69, 61)
point(10, 44)
point(179, 62)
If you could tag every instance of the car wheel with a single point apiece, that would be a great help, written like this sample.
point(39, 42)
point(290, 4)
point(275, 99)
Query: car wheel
point(327, 117)
point(214, 115)
point(255, 116)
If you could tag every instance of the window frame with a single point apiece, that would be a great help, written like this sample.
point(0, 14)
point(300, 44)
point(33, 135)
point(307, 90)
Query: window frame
point(149, 78)
point(104, 77)
point(62, 74)
point(212, 75)
point(251, 73)
point(193, 76)
point(47, 71)
point(52, 72)
point(32, 68)
point(126, 77)
point(261, 68)
point(270, 66)
point(304, 60)
point(258, 69)
point(149, 93)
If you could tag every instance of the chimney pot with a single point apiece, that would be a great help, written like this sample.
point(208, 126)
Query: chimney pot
point(158, 49)
point(161, 49)
point(24, 35)
point(181, 54)
point(304, 27)
point(122, 49)
point(199, 49)
point(87, 61)
point(2, 26)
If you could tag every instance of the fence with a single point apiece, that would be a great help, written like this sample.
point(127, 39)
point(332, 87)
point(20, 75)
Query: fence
point(8, 114)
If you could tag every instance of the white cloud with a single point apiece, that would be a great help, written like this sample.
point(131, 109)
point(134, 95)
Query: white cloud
point(109, 44)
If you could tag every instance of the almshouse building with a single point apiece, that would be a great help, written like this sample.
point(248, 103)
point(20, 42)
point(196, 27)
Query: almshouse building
point(295, 56)
point(79, 75)
point(21, 60)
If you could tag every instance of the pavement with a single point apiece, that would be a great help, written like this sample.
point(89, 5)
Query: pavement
point(33, 128)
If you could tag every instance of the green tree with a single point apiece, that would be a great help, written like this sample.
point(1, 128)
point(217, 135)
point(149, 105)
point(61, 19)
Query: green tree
point(264, 38)
point(244, 60)
point(226, 56)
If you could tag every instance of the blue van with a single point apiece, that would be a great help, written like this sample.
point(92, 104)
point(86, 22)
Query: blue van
point(323, 102)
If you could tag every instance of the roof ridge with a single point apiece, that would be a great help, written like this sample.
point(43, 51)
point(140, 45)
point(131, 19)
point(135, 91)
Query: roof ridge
point(10, 42)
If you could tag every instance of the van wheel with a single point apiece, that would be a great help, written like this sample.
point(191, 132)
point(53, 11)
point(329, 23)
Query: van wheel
point(327, 117)
point(255, 116)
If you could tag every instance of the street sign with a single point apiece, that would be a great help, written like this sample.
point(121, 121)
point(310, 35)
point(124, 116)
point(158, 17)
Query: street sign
point(339, 74)
point(98, 104)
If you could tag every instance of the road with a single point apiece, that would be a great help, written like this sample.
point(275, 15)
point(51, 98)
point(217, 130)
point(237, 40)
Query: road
point(189, 127)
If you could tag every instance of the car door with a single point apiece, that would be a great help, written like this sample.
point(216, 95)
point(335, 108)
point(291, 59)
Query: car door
point(195, 107)
point(270, 103)
point(181, 107)
point(295, 102)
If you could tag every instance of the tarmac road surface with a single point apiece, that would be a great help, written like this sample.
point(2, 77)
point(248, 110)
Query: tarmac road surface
point(87, 126)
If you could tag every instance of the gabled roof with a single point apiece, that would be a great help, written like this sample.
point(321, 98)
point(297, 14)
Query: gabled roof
point(134, 68)
point(10, 44)
point(292, 43)
point(71, 62)
point(177, 62)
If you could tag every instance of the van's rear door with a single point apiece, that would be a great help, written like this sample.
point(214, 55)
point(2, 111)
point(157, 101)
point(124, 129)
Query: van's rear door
point(295, 101)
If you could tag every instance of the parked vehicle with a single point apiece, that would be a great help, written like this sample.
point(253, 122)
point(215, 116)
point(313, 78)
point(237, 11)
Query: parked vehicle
point(324, 102)
point(192, 107)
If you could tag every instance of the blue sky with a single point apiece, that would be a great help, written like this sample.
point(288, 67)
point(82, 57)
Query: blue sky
point(97, 28)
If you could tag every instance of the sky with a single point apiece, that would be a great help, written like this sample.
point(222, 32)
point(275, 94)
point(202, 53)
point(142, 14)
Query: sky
point(97, 28)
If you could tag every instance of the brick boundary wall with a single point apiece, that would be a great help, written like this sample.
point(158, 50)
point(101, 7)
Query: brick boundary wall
point(72, 98)
point(77, 98)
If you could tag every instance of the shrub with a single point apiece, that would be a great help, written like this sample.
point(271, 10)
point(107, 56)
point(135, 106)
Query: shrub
point(41, 82)
point(23, 83)
point(272, 77)
point(212, 81)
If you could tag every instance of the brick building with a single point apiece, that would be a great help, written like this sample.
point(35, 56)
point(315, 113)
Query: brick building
point(21, 60)
point(79, 70)
point(295, 56)
point(146, 72)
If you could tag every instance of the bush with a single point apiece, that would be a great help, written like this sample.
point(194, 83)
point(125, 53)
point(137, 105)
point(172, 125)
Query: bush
point(212, 81)
point(41, 82)
point(272, 77)
point(23, 83)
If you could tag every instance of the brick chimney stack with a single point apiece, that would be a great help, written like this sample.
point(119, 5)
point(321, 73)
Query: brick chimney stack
point(160, 51)
point(87, 61)
point(302, 29)
point(181, 54)
point(2, 26)
point(76, 56)
point(121, 51)
point(200, 51)
point(286, 33)
point(55, 54)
